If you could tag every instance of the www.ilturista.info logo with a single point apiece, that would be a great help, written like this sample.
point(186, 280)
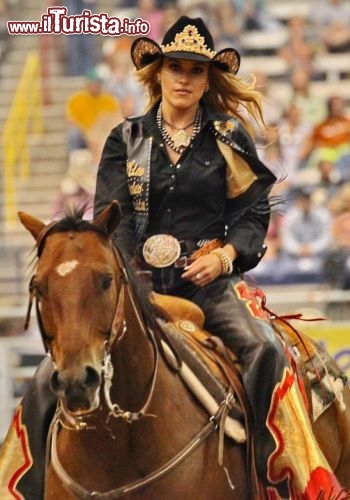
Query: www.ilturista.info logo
point(57, 22)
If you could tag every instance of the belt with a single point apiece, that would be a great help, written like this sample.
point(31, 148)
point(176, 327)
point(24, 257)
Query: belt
point(164, 250)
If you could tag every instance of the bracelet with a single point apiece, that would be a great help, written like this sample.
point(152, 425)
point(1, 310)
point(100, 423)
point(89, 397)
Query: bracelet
point(225, 260)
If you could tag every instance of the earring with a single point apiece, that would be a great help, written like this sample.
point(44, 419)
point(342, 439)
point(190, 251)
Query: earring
point(158, 78)
point(207, 87)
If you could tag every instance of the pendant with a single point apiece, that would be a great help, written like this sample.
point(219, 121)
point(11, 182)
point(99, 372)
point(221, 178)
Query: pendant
point(181, 139)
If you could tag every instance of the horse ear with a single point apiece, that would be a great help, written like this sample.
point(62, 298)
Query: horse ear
point(109, 218)
point(33, 225)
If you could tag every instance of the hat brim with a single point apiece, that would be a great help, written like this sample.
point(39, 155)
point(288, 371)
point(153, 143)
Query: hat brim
point(227, 60)
point(145, 50)
point(187, 55)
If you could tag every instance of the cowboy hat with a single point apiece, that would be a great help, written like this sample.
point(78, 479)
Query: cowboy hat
point(187, 38)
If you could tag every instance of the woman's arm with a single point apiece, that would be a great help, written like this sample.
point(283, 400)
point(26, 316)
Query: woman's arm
point(112, 185)
point(246, 230)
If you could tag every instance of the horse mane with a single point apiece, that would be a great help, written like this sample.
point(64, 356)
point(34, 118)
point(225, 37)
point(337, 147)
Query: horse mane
point(141, 288)
point(73, 221)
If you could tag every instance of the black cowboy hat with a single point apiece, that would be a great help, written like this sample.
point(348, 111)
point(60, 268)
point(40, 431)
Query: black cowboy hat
point(187, 38)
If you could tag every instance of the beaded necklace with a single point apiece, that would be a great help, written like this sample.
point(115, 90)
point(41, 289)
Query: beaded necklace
point(180, 140)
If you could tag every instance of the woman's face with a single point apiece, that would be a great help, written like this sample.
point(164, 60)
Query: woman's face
point(183, 82)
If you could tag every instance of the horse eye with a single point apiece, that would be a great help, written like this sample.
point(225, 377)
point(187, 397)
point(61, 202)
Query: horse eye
point(106, 281)
point(36, 289)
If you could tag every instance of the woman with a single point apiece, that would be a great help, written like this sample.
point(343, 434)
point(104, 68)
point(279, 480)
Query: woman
point(194, 198)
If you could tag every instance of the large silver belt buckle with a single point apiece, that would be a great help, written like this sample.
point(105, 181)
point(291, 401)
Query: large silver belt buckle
point(161, 250)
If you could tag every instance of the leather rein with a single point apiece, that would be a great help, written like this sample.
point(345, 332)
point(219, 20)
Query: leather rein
point(78, 424)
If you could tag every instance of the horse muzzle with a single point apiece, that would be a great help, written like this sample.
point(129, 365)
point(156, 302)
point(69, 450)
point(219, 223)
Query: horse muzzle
point(78, 391)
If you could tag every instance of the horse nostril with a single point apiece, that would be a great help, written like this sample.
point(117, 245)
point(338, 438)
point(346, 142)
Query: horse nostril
point(65, 381)
point(56, 383)
point(92, 378)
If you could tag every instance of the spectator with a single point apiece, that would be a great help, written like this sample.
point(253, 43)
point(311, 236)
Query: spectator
point(305, 237)
point(91, 114)
point(78, 186)
point(331, 19)
point(272, 106)
point(269, 271)
point(337, 260)
point(255, 15)
point(171, 12)
point(81, 50)
point(299, 50)
point(267, 140)
point(148, 11)
point(330, 138)
point(291, 132)
point(343, 166)
point(328, 181)
point(340, 202)
point(273, 236)
point(312, 107)
point(227, 25)
point(118, 77)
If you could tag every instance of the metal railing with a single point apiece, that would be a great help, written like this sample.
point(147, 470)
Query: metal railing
point(25, 116)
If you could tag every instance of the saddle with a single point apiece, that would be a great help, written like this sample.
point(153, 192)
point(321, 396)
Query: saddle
point(211, 370)
point(218, 368)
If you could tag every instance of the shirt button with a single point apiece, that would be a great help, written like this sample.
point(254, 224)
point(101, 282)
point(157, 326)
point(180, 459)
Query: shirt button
point(168, 210)
point(178, 165)
point(171, 188)
point(172, 177)
point(161, 145)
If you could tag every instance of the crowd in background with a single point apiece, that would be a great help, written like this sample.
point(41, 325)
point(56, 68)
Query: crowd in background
point(307, 143)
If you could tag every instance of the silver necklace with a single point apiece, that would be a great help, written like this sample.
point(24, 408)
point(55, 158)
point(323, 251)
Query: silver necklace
point(180, 140)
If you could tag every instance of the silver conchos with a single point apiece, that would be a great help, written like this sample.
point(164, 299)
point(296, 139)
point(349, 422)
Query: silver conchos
point(161, 250)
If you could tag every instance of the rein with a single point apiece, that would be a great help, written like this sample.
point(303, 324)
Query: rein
point(212, 425)
point(108, 370)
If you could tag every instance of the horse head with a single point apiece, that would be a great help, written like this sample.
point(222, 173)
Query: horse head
point(76, 287)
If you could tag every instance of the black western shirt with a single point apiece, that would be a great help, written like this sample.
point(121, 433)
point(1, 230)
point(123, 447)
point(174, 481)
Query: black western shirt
point(187, 200)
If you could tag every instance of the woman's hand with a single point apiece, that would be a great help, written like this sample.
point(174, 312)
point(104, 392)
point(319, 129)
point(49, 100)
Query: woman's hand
point(206, 268)
point(203, 270)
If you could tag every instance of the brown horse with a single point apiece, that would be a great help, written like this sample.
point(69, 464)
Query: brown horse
point(138, 433)
point(88, 311)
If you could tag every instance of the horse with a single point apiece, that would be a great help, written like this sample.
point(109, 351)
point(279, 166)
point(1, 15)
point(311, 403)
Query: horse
point(163, 444)
point(126, 425)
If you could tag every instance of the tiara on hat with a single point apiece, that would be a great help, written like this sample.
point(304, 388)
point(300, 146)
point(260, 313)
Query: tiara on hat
point(189, 40)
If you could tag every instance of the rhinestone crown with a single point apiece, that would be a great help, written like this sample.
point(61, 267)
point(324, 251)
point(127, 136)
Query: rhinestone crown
point(189, 40)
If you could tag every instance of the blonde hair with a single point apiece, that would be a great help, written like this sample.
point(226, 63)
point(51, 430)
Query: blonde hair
point(227, 94)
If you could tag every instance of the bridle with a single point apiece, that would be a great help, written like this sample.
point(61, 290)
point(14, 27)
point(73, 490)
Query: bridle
point(117, 332)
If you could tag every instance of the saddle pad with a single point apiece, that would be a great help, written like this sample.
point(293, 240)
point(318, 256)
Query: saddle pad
point(319, 370)
point(203, 375)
